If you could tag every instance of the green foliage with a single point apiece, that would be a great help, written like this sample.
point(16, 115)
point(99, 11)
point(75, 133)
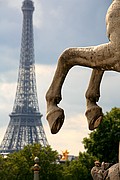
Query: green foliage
point(74, 171)
point(46, 156)
point(79, 168)
point(102, 144)
point(14, 167)
point(19, 165)
point(104, 141)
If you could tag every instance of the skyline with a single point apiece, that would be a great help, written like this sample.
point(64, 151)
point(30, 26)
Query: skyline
point(57, 25)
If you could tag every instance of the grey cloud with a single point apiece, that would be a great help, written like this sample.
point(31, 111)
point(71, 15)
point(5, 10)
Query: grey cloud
point(64, 24)
point(76, 23)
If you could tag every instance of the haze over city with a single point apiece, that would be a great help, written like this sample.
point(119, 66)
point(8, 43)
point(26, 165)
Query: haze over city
point(57, 25)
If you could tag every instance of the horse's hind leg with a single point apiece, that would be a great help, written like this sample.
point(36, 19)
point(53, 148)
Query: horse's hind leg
point(94, 112)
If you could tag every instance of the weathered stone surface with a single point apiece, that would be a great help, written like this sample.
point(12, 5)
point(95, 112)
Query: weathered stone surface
point(110, 174)
point(113, 173)
point(100, 58)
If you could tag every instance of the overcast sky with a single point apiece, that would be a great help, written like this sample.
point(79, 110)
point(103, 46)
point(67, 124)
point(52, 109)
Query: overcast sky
point(57, 25)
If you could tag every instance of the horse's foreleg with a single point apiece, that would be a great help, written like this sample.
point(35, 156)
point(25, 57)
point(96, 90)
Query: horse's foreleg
point(94, 112)
point(55, 115)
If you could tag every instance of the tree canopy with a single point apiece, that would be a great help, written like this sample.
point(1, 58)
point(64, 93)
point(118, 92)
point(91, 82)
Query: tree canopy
point(18, 165)
point(104, 141)
point(102, 144)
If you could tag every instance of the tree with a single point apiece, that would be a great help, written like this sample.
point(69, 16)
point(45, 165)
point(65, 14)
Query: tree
point(47, 158)
point(102, 144)
point(79, 168)
point(104, 141)
point(18, 165)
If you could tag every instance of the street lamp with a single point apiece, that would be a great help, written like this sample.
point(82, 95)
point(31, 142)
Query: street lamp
point(36, 168)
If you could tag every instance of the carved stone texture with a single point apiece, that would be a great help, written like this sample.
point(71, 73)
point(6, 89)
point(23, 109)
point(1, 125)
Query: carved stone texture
point(100, 58)
point(113, 173)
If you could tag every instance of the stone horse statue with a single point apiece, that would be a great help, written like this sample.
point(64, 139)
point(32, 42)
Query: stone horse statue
point(104, 57)
point(113, 173)
point(105, 172)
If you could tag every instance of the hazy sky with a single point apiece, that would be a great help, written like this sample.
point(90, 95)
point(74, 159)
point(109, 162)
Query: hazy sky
point(57, 25)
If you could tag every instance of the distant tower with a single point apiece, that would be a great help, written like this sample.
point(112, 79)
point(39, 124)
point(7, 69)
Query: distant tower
point(25, 125)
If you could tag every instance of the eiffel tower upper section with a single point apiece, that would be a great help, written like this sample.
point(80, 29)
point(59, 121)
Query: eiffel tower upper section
point(26, 95)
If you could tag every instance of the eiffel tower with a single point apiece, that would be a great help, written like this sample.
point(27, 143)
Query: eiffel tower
point(25, 126)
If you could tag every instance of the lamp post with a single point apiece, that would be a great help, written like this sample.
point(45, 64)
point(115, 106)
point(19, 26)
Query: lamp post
point(36, 168)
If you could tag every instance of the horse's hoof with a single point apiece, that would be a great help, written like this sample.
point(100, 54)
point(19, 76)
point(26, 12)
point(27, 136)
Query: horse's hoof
point(55, 118)
point(94, 116)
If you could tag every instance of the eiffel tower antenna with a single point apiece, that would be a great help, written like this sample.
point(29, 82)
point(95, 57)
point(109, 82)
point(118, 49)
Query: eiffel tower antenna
point(25, 126)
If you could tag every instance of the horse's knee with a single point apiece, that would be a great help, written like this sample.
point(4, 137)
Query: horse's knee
point(51, 97)
point(92, 96)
